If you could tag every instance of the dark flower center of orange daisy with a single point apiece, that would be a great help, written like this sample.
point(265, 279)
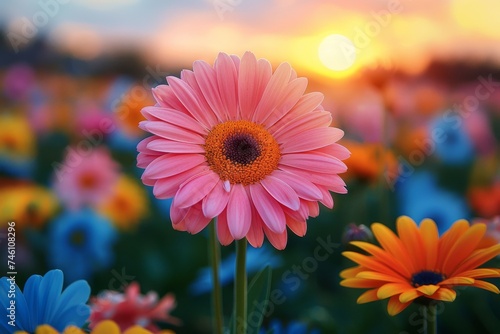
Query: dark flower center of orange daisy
point(241, 151)
point(426, 277)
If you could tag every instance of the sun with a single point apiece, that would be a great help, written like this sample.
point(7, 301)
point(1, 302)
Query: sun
point(337, 53)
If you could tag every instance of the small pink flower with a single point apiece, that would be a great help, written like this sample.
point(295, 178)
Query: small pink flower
point(365, 117)
point(131, 308)
point(241, 143)
point(92, 121)
point(19, 80)
point(85, 178)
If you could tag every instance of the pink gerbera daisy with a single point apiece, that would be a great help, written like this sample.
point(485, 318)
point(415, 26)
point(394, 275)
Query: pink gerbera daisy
point(85, 178)
point(238, 142)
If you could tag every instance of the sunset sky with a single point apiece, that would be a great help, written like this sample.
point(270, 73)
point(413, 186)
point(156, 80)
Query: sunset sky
point(403, 34)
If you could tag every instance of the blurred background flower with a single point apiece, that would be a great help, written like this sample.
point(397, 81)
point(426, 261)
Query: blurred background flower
point(86, 176)
point(127, 205)
point(17, 146)
point(420, 197)
point(130, 309)
point(29, 205)
point(80, 243)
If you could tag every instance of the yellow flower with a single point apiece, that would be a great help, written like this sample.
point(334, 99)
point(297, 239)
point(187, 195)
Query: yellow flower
point(419, 265)
point(27, 205)
point(104, 327)
point(16, 137)
point(126, 205)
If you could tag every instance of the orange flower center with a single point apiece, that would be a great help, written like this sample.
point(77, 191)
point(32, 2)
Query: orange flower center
point(241, 151)
point(87, 181)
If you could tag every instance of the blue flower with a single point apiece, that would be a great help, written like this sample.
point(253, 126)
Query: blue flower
point(43, 302)
point(420, 197)
point(257, 259)
point(453, 144)
point(293, 327)
point(80, 243)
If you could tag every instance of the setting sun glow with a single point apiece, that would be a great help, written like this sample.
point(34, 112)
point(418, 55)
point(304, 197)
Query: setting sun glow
point(337, 52)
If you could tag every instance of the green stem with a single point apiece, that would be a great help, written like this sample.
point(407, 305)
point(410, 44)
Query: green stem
point(430, 317)
point(214, 251)
point(240, 288)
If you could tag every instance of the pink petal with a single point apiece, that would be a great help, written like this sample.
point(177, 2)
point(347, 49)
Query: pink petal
point(190, 219)
point(168, 187)
point(303, 187)
point(173, 132)
point(239, 212)
point(249, 92)
point(188, 98)
point(142, 146)
point(166, 98)
point(196, 188)
point(143, 160)
point(293, 92)
point(255, 235)
point(315, 162)
point(215, 201)
point(177, 214)
point(207, 81)
point(223, 232)
point(301, 214)
point(169, 146)
point(313, 208)
point(190, 78)
point(273, 93)
point(227, 82)
point(336, 150)
point(327, 198)
point(332, 181)
point(281, 192)
point(181, 226)
point(194, 220)
point(312, 139)
point(173, 117)
point(298, 227)
point(310, 120)
point(148, 181)
point(236, 60)
point(306, 104)
point(278, 240)
point(268, 208)
point(172, 164)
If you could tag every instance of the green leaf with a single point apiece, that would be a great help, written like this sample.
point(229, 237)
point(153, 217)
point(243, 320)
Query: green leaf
point(258, 299)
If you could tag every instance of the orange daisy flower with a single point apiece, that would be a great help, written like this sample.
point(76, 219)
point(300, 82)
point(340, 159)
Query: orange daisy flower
point(418, 265)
